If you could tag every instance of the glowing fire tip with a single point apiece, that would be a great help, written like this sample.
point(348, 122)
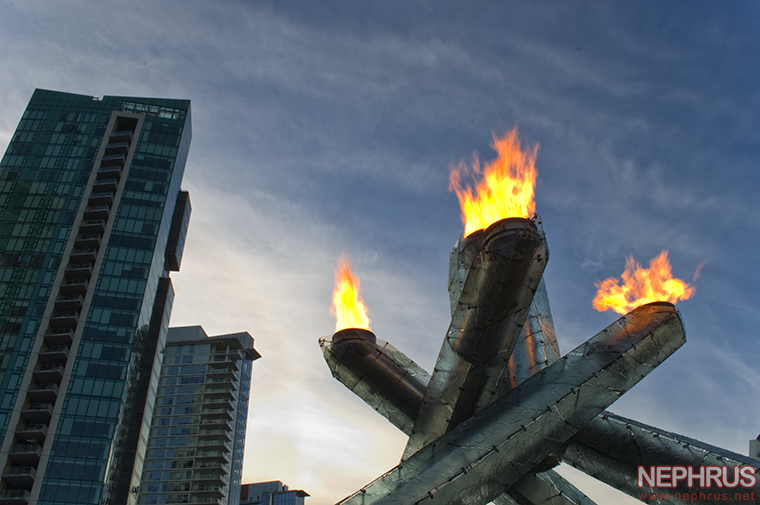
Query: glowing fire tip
point(348, 307)
point(505, 187)
point(641, 285)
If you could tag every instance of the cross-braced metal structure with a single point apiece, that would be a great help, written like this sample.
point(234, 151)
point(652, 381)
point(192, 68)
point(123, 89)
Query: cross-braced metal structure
point(501, 407)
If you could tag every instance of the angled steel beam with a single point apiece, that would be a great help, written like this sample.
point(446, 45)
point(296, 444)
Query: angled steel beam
point(545, 488)
point(610, 448)
point(475, 462)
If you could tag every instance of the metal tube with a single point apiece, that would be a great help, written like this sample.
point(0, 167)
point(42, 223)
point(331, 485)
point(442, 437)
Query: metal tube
point(491, 310)
point(461, 258)
point(611, 448)
point(536, 347)
point(545, 488)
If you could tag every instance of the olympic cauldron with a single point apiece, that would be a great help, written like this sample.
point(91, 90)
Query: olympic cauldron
point(501, 407)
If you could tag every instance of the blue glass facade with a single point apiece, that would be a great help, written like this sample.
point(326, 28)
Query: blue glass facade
point(88, 189)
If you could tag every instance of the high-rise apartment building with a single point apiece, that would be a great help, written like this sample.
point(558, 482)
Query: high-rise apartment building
point(195, 448)
point(271, 493)
point(92, 220)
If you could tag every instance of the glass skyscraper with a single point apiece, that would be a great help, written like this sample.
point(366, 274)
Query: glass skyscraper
point(92, 219)
point(196, 443)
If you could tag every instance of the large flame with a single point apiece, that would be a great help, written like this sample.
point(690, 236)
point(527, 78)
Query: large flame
point(506, 185)
point(348, 307)
point(641, 285)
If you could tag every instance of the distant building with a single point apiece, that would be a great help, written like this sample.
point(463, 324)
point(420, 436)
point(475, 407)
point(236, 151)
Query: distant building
point(271, 493)
point(92, 220)
point(197, 437)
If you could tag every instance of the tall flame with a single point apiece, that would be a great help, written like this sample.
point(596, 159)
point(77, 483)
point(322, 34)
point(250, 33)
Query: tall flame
point(506, 186)
point(641, 285)
point(348, 307)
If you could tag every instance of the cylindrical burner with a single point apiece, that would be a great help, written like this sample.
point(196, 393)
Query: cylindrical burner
point(383, 376)
point(353, 334)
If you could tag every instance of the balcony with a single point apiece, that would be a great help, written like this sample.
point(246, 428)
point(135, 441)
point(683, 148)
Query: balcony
point(64, 319)
point(225, 361)
point(105, 185)
point(96, 212)
point(59, 336)
point(78, 271)
point(87, 241)
point(19, 476)
point(214, 466)
point(208, 490)
point(120, 136)
point(48, 373)
point(206, 499)
point(97, 226)
point(74, 286)
point(117, 147)
point(232, 354)
point(210, 476)
point(16, 496)
point(214, 443)
point(217, 411)
point(219, 392)
point(212, 454)
point(54, 354)
point(214, 433)
point(108, 173)
point(217, 402)
point(113, 160)
point(228, 383)
point(216, 422)
point(104, 198)
point(26, 454)
point(32, 431)
point(218, 372)
point(69, 302)
point(45, 392)
point(37, 412)
point(84, 255)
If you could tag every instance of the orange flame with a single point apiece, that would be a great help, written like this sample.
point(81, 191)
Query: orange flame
point(348, 307)
point(506, 186)
point(641, 285)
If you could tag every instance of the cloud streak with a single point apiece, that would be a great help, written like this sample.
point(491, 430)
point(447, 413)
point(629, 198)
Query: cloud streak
point(329, 129)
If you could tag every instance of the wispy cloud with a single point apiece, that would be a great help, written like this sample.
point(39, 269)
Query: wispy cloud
point(329, 130)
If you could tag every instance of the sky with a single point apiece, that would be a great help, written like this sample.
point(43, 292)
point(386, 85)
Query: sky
point(322, 128)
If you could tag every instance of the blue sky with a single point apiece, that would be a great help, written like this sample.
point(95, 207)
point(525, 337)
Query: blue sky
point(324, 127)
